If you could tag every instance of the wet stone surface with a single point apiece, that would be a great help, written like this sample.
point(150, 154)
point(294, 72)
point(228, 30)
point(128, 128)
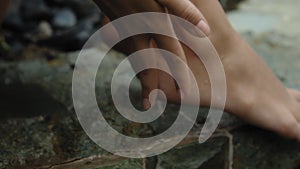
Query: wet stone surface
point(39, 128)
point(51, 136)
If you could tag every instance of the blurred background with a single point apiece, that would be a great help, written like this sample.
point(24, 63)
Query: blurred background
point(56, 24)
point(39, 43)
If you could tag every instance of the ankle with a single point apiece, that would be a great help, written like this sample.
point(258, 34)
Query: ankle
point(225, 42)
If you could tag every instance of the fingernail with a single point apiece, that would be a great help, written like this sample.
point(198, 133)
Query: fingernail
point(203, 27)
point(146, 104)
point(152, 100)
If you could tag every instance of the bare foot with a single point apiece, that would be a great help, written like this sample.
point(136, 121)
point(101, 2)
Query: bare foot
point(253, 92)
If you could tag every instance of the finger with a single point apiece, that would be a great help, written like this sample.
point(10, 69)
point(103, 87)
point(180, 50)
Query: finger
point(167, 85)
point(108, 35)
point(111, 35)
point(149, 82)
point(187, 10)
point(148, 77)
point(178, 68)
point(165, 81)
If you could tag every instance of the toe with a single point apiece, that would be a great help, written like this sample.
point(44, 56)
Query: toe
point(290, 128)
point(294, 93)
point(296, 110)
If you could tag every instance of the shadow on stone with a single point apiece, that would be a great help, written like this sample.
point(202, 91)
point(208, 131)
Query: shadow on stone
point(24, 101)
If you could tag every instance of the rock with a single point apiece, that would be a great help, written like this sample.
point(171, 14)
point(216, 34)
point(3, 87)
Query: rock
point(44, 30)
point(85, 30)
point(27, 95)
point(86, 9)
point(39, 128)
point(64, 18)
point(195, 156)
point(64, 3)
point(35, 10)
point(4, 48)
point(15, 48)
point(50, 135)
point(14, 22)
point(72, 39)
point(56, 2)
point(60, 24)
point(255, 148)
point(82, 9)
point(229, 5)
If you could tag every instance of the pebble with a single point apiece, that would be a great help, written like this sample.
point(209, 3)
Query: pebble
point(71, 39)
point(64, 18)
point(35, 10)
point(59, 24)
point(13, 21)
point(44, 30)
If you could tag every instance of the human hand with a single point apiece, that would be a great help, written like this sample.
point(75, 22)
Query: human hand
point(182, 8)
